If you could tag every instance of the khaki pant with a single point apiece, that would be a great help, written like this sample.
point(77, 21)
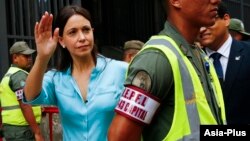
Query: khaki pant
point(18, 133)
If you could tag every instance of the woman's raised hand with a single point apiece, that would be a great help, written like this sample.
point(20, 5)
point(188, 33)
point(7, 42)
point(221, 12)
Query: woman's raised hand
point(45, 42)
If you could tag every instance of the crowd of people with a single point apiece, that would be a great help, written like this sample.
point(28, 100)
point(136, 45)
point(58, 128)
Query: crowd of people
point(164, 89)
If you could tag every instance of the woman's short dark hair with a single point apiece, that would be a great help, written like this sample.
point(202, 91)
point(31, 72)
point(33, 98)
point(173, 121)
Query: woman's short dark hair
point(64, 60)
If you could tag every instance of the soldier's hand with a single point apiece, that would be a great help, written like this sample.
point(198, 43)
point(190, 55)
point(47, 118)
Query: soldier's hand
point(39, 137)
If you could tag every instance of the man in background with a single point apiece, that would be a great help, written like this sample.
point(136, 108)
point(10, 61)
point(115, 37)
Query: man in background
point(20, 121)
point(131, 48)
point(237, 30)
point(231, 60)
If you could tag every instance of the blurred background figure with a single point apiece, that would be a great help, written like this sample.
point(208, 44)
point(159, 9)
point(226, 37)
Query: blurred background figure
point(131, 48)
point(20, 121)
point(237, 30)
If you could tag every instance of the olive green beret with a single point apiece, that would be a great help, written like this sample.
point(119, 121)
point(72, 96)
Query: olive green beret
point(237, 25)
point(22, 48)
point(133, 44)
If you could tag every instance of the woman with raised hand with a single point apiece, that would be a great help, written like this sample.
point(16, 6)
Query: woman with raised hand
point(84, 85)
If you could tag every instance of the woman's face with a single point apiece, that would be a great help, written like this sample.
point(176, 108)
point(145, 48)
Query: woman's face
point(78, 36)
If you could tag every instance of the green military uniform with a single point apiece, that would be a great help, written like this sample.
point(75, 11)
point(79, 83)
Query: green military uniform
point(14, 124)
point(152, 66)
point(17, 80)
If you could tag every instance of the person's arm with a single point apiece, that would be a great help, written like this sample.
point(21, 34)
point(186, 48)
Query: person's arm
point(16, 85)
point(30, 118)
point(124, 129)
point(46, 44)
point(135, 109)
point(142, 96)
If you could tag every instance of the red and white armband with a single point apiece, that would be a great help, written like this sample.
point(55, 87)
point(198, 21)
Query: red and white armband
point(137, 105)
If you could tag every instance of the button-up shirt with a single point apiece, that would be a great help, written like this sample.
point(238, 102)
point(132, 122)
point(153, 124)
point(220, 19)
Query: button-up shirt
point(85, 120)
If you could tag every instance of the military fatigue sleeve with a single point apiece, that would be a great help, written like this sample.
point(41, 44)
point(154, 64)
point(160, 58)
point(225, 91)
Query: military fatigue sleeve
point(17, 82)
point(151, 71)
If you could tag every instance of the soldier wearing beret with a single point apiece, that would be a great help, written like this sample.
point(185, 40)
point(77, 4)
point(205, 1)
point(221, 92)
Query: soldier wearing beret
point(131, 48)
point(20, 121)
point(237, 30)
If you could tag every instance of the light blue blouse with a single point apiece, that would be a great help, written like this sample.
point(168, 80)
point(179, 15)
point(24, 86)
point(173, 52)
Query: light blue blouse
point(85, 120)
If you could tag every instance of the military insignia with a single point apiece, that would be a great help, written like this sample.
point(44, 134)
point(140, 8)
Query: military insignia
point(142, 80)
point(22, 83)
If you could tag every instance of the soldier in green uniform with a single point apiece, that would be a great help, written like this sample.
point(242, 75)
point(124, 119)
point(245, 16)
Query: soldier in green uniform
point(171, 86)
point(20, 121)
